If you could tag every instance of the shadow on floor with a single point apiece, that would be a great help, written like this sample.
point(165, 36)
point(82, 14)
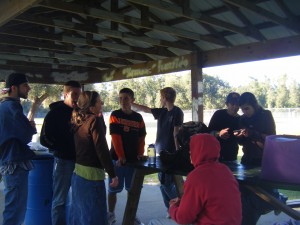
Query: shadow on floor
point(151, 206)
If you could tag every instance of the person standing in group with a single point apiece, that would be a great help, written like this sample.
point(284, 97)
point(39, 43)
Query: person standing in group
point(169, 119)
point(256, 123)
point(56, 134)
point(92, 157)
point(16, 132)
point(222, 125)
point(127, 130)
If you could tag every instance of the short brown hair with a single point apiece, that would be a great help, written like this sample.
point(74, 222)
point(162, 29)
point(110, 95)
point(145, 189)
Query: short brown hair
point(169, 93)
point(71, 84)
point(127, 91)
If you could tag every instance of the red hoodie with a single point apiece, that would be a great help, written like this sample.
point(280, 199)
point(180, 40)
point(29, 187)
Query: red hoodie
point(211, 193)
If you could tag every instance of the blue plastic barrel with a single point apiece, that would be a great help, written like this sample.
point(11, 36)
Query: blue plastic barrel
point(40, 191)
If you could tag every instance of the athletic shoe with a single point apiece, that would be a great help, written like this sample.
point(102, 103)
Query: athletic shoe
point(111, 217)
point(137, 221)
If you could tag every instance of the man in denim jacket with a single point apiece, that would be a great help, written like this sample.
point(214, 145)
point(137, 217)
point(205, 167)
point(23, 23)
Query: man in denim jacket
point(16, 132)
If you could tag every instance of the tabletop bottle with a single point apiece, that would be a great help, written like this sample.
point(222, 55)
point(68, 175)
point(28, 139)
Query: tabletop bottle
point(151, 154)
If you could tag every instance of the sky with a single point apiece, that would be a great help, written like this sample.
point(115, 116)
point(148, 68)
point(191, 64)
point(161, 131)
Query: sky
point(241, 73)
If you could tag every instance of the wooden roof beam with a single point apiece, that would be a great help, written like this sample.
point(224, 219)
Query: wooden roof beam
point(293, 25)
point(107, 15)
point(250, 27)
point(12, 8)
point(83, 41)
point(192, 15)
point(46, 45)
point(102, 31)
point(59, 59)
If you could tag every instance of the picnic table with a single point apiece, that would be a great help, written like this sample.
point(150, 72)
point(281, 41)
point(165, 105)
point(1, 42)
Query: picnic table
point(247, 176)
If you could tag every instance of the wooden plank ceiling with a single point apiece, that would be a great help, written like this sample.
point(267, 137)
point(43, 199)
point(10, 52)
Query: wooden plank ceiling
point(99, 40)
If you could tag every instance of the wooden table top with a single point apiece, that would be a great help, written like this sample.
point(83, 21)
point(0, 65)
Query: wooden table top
point(245, 174)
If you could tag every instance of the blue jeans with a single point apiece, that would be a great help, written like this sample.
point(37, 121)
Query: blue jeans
point(167, 187)
point(88, 202)
point(15, 191)
point(62, 176)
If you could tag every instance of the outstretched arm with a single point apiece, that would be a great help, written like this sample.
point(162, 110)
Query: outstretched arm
point(142, 108)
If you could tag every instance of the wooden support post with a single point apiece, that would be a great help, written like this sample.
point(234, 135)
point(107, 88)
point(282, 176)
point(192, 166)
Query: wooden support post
point(133, 197)
point(197, 88)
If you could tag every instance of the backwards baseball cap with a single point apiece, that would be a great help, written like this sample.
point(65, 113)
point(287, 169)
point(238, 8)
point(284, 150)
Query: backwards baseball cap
point(233, 98)
point(15, 79)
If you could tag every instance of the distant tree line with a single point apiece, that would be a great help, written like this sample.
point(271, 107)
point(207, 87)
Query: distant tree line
point(280, 93)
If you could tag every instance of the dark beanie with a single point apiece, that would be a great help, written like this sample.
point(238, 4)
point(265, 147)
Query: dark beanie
point(15, 79)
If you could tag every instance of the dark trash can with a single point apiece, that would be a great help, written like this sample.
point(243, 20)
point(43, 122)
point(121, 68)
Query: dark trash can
point(40, 190)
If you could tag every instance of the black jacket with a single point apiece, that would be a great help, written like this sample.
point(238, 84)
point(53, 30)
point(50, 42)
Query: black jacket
point(259, 125)
point(56, 132)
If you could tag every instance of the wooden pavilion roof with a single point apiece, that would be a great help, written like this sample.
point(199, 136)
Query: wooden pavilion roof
point(102, 40)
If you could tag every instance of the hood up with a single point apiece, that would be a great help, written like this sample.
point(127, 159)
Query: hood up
point(204, 148)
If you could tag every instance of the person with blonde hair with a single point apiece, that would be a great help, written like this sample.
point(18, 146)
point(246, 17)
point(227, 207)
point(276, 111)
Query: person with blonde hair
point(92, 161)
point(169, 119)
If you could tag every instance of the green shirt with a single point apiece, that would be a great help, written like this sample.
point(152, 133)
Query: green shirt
point(89, 173)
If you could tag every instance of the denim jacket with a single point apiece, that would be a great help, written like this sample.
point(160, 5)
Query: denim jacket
point(15, 132)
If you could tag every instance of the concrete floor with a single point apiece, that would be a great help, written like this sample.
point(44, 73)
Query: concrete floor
point(151, 206)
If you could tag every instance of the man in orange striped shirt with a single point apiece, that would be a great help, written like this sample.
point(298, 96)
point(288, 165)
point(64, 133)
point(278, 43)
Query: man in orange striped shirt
point(127, 130)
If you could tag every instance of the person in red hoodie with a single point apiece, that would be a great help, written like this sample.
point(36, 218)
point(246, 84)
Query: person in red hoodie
point(211, 193)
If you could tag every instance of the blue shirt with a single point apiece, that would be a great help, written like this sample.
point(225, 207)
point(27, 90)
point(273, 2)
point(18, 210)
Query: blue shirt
point(166, 121)
point(15, 133)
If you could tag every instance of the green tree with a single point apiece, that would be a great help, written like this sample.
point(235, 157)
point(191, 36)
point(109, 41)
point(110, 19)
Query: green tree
point(282, 97)
point(294, 100)
point(215, 92)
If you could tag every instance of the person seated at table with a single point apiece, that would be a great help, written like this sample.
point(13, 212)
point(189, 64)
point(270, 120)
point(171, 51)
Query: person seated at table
point(256, 123)
point(211, 193)
point(223, 123)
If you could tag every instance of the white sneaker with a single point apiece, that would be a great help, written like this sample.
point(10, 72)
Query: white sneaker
point(111, 217)
point(137, 221)
point(168, 216)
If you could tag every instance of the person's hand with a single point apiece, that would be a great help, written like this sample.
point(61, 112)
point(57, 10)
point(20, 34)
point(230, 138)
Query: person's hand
point(114, 182)
point(121, 161)
point(174, 201)
point(241, 133)
point(224, 134)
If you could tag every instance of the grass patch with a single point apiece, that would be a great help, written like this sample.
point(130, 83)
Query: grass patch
point(291, 194)
point(151, 179)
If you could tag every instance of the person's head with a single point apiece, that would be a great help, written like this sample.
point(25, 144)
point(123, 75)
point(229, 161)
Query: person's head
point(232, 103)
point(126, 98)
point(16, 85)
point(204, 148)
point(167, 94)
point(90, 101)
point(72, 90)
point(248, 104)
